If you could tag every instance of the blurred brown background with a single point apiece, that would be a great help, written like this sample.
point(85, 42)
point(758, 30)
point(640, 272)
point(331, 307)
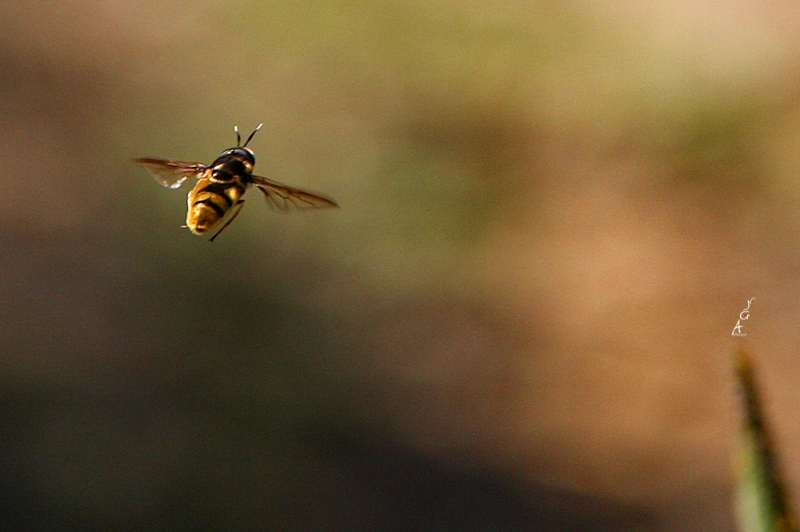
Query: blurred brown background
point(520, 319)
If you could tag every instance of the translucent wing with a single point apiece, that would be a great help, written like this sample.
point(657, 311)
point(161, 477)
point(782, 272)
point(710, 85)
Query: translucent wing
point(285, 199)
point(170, 173)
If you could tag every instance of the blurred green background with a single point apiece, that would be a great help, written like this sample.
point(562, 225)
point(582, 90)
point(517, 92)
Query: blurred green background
point(551, 215)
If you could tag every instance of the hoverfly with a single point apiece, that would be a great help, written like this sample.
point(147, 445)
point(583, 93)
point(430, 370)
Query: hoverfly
point(221, 185)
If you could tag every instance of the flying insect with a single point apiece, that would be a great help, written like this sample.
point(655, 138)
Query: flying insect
point(217, 196)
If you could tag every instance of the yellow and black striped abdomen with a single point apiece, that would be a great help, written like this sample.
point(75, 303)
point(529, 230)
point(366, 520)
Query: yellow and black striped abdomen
point(209, 201)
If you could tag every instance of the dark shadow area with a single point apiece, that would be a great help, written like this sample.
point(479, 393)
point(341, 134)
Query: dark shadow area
point(134, 466)
point(417, 493)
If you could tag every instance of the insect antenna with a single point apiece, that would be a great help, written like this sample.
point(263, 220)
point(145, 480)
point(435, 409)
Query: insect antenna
point(253, 133)
point(238, 136)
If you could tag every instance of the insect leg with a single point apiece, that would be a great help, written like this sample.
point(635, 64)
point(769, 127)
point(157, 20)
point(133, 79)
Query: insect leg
point(236, 210)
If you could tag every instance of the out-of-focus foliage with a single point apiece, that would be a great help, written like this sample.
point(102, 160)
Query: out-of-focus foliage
point(762, 501)
point(549, 213)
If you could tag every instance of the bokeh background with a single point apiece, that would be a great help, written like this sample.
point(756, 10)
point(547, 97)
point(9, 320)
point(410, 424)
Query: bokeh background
point(520, 319)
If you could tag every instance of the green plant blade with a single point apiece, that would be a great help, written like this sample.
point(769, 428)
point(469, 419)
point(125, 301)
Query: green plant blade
point(761, 499)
